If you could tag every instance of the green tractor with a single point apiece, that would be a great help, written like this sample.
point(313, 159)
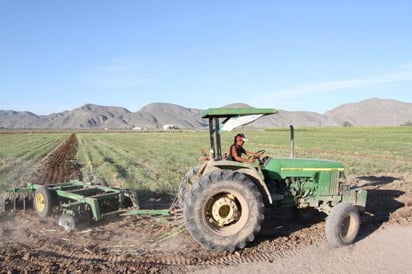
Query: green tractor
point(224, 201)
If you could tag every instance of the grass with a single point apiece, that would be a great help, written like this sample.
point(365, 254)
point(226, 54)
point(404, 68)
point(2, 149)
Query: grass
point(363, 150)
point(20, 153)
point(156, 161)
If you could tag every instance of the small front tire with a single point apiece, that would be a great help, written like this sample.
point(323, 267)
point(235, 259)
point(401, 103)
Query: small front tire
point(342, 225)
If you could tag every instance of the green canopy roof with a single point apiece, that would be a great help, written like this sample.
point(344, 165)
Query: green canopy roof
point(235, 112)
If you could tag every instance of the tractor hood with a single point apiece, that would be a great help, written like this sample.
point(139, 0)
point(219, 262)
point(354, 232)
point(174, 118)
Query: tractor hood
point(286, 167)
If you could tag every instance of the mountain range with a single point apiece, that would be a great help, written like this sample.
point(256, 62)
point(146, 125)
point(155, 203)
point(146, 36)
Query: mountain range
point(370, 112)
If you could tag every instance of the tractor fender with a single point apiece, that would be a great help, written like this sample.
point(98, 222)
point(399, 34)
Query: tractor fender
point(253, 172)
point(254, 175)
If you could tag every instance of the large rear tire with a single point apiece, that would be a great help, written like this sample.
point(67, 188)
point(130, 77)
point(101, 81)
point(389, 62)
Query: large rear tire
point(224, 210)
point(186, 184)
point(342, 225)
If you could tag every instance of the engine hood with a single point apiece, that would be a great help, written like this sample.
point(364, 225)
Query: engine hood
point(287, 167)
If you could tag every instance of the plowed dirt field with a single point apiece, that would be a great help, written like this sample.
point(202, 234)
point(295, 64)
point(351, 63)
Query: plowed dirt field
point(141, 244)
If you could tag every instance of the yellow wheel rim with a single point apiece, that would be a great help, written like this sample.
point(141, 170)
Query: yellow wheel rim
point(39, 202)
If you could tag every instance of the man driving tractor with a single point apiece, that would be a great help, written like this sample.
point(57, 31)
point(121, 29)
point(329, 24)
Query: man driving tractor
point(236, 150)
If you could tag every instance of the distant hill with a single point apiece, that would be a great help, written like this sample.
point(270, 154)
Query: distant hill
point(177, 115)
point(18, 119)
point(151, 116)
point(371, 112)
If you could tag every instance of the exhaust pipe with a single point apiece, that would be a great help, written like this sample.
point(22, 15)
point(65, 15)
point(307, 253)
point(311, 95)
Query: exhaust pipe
point(292, 142)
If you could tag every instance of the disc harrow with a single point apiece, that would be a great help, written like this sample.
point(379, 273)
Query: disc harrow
point(75, 201)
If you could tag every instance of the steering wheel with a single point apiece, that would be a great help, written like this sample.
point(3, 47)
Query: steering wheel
point(261, 152)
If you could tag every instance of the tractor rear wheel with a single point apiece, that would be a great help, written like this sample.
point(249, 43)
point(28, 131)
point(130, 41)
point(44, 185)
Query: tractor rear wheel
point(342, 225)
point(224, 210)
point(186, 185)
point(43, 202)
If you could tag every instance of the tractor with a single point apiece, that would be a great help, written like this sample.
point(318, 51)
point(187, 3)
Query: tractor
point(224, 201)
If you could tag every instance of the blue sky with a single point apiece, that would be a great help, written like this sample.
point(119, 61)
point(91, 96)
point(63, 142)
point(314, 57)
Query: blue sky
point(294, 55)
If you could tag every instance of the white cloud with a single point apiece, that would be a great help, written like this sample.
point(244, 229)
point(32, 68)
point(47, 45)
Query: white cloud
point(401, 73)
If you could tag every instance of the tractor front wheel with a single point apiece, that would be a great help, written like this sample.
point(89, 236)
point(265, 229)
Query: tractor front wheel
point(342, 225)
point(224, 210)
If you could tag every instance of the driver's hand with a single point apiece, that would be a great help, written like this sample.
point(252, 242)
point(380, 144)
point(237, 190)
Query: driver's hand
point(251, 160)
point(257, 155)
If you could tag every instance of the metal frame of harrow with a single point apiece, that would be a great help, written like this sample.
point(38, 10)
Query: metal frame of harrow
point(76, 197)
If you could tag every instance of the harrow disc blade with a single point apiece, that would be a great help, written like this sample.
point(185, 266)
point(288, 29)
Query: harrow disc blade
point(68, 222)
point(16, 201)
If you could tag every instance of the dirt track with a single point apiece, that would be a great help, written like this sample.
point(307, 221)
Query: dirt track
point(61, 165)
point(142, 244)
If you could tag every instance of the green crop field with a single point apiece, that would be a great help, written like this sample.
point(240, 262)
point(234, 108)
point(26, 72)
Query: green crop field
point(157, 161)
point(21, 152)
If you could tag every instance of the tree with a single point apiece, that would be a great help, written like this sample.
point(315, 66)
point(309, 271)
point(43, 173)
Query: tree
point(347, 124)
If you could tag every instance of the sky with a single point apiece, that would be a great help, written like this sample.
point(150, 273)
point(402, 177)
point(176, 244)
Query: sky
point(293, 55)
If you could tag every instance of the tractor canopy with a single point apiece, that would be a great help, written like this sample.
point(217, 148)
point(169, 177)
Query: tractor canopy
point(235, 112)
point(230, 118)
